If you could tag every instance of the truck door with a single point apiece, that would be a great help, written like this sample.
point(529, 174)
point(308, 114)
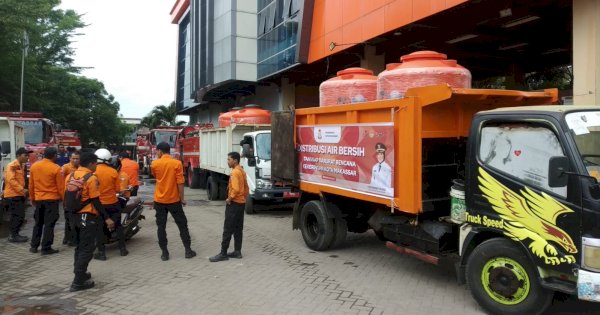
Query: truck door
point(510, 194)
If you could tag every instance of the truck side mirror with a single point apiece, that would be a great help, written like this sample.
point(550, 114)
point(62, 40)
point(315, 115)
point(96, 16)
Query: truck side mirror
point(5, 145)
point(557, 168)
point(248, 153)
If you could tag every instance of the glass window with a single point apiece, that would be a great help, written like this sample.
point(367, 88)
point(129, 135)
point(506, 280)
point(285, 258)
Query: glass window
point(34, 131)
point(521, 150)
point(165, 136)
point(263, 146)
point(585, 127)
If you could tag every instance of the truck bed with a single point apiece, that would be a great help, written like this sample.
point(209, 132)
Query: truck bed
point(422, 121)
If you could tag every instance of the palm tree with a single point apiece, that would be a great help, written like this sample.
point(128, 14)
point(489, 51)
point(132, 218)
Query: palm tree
point(162, 115)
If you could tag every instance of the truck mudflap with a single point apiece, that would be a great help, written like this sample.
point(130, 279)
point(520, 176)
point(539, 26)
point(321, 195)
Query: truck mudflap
point(588, 286)
point(275, 193)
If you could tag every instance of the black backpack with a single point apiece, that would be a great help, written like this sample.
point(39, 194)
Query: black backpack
point(73, 190)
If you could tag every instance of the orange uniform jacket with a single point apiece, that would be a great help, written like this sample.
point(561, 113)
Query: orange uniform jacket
point(131, 168)
point(90, 190)
point(14, 180)
point(110, 184)
point(124, 184)
point(45, 181)
point(237, 190)
point(168, 173)
point(67, 169)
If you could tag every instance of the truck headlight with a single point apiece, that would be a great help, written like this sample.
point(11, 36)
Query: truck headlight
point(263, 184)
point(591, 253)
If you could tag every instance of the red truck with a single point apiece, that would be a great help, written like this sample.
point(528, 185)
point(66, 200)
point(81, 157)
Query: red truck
point(146, 144)
point(68, 138)
point(39, 132)
point(188, 151)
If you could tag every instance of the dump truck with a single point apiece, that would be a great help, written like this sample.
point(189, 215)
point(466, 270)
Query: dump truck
point(12, 137)
point(495, 181)
point(253, 142)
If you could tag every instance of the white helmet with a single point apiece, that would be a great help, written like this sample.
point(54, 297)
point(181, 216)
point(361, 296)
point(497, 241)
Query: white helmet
point(103, 156)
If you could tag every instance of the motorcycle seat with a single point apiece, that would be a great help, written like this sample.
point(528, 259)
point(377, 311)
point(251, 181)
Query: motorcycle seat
point(132, 203)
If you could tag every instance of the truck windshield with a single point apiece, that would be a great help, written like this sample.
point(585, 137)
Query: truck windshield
point(34, 131)
point(586, 129)
point(166, 136)
point(263, 146)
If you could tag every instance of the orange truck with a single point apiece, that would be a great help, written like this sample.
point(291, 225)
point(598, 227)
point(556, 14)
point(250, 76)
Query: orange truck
point(504, 188)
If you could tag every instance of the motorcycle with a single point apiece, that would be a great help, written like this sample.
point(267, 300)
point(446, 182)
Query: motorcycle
point(130, 218)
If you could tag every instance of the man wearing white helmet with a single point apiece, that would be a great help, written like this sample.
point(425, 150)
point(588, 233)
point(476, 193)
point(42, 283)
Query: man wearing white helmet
point(110, 185)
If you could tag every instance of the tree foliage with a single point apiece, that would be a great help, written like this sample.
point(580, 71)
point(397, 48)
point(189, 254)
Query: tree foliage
point(52, 85)
point(162, 115)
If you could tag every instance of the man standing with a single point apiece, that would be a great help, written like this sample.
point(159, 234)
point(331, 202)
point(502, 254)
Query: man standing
point(168, 197)
point(110, 185)
point(132, 169)
point(15, 193)
point(62, 157)
point(67, 170)
point(46, 185)
point(237, 192)
point(87, 220)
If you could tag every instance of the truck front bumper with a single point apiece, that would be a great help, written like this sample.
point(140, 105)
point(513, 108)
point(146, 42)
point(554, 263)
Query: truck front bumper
point(275, 193)
point(588, 286)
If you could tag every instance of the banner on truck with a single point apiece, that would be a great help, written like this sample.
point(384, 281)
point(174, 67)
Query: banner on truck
point(356, 157)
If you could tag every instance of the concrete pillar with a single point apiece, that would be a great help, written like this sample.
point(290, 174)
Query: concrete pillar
point(372, 61)
point(586, 52)
point(288, 94)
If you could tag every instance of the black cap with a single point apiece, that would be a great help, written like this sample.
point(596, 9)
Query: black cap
point(380, 147)
point(23, 151)
point(164, 147)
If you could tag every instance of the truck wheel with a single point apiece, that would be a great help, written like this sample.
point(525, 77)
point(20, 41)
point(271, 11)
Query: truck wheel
point(202, 177)
point(193, 178)
point(187, 177)
point(503, 280)
point(341, 229)
point(249, 207)
point(212, 189)
point(317, 229)
point(222, 191)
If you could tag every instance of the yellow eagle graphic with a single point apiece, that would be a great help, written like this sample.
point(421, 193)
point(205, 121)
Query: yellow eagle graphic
point(530, 216)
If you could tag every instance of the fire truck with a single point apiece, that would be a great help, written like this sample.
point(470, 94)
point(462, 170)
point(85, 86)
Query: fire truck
point(69, 138)
point(39, 132)
point(146, 145)
point(188, 151)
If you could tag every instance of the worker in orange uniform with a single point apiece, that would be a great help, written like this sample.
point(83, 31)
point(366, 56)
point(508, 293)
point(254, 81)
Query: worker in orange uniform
point(87, 221)
point(14, 194)
point(67, 170)
point(46, 186)
point(237, 192)
point(110, 185)
point(132, 169)
point(168, 197)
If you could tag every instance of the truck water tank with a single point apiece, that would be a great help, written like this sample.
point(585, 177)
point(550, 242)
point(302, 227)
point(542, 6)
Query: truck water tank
point(251, 114)
point(225, 118)
point(420, 68)
point(352, 85)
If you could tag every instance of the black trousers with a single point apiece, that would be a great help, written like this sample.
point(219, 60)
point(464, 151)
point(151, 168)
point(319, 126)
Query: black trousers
point(114, 213)
point(46, 215)
point(69, 226)
point(16, 206)
point(234, 225)
point(176, 211)
point(86, 227)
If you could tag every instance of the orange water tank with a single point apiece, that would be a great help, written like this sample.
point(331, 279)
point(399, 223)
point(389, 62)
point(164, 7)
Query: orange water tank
point(225, 118)
point(420, 68)
point(352, 85)
point(251, 114)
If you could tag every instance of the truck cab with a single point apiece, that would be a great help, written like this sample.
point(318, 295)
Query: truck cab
point(532, 178)
point(256, 161)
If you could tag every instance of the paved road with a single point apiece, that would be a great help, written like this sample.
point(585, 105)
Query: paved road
point(278, 275)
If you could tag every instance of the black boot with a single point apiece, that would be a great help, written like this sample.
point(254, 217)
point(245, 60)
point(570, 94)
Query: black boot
point(189, 253)
point(218, 257)
point(165, 255)
point(18, 238)
point(235, 254)
point(49, 251)
point(87, 284)
point(100, 255)
point(123, 252)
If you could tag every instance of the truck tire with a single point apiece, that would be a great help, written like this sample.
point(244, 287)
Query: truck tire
point(317, 229)
point(503, 280)
point(341, 229)
point(249, 207)
point(222, 191)
point(202, 179)
point(193, 178)
point(186, 178)
point(212, 189)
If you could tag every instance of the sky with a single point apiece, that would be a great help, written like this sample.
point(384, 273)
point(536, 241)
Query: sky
point(130, 46)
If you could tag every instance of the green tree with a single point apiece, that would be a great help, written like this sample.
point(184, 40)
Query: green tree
point(53, 85)
point(162, 115)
